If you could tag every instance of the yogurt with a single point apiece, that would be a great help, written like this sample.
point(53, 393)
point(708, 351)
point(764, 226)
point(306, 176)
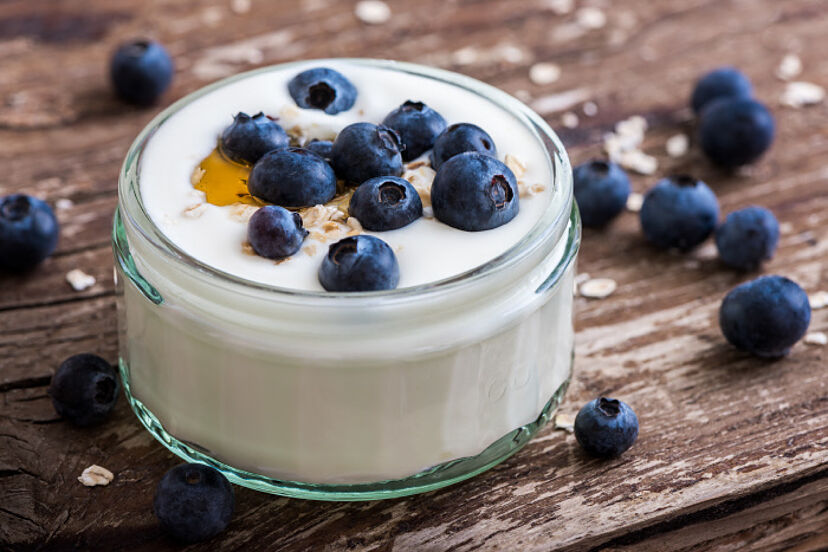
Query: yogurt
point(427, 250)
point(235, 360)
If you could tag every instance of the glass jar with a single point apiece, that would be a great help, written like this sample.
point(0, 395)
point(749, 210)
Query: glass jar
point(339, 396)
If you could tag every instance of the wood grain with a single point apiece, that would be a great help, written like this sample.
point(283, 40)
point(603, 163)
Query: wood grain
point(733, 451)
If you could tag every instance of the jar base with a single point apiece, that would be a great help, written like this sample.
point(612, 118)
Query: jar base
point(435, 477)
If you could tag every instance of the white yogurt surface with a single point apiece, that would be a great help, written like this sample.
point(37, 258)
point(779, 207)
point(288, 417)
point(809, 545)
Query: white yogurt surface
point(427, 250)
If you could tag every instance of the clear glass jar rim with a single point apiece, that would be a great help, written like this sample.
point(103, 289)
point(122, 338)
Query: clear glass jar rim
point(551, 224)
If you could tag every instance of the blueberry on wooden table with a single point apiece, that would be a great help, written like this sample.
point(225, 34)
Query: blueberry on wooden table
point(359, 263)
point(322, 88)
point(721, 83)
point(193, 502)
point(364, 150)
point(418, 126)
point(736, 131)
point(460, 138)
point(275, 233)
point(601, 191)
point(141, 71)
point(747, 237)
point(248, 138)
point(473, 191)
point(606, 427)
point(385, 203)
point(292, 177)
point(28, 232)
point(765, 316)
point(84, 389)
point(679, 212)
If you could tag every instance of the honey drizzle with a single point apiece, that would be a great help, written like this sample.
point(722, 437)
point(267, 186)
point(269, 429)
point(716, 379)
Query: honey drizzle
point(224, 182)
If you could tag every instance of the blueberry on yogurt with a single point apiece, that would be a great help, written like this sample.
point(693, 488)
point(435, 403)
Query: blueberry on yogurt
point(747, 237)
point(679, 212)
point(292, 177)
point(473, 191)
point(84, 389)
point(606, 427)
point(28, 232)
point(460, 138)
point(359, 263)
point(765, 316)
point(362, 151)
point(322, 88)
point(248, 138)
point(193, 502)
point(275, 233)
point(418, 126)
point(322, 148)
point(385, 203)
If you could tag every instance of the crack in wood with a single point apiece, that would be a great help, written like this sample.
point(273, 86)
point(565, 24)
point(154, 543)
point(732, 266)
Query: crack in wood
point(715, 512)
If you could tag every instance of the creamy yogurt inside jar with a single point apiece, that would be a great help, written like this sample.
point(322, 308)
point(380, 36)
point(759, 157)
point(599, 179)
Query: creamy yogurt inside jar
point(250, 365)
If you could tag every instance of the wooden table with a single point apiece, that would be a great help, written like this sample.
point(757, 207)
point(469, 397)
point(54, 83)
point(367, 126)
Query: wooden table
point(733, 451)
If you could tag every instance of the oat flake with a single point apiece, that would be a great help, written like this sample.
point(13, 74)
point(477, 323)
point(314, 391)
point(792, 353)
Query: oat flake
point(818, 300)
point(96, 475)
point(544, 73)
point(634, 202)
point(565, 422)
point(569, 120)
point(800, 94)
point(373, 12)
point(598, 288)
point(790, 67)
point(590, 18)
point(80, 280)
point(816, 338)
point(677, 145)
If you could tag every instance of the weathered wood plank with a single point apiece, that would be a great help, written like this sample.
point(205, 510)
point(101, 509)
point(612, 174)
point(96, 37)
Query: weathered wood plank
point(732, 451)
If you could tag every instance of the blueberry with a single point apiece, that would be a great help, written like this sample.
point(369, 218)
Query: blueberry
point(359, 263)
point(460, 138)
point(28, 232)
point(322, 148)
point(322, 88)
point(248, 138)
point(679, 212)
point(747, 237)
point(735, 132)
point(193, 502)
point(141, 71)
point(601, 190)
point(473, 191)
point(606, 427)
point(364, 150)
point(84, 389)
point(765, 316)
point(385, 203)
point(725, 82)
point(418, 126)
point(292, 177)
point(275, 233)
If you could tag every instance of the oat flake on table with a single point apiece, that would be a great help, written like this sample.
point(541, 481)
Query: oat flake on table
point(802, 94)
point(373, 12)
point(96, 475)
point(790, 67)
point(598, 288)
point(634, 202)
point(818, 300)
point(544, 73)
point(816, 338)
point(80, 280)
